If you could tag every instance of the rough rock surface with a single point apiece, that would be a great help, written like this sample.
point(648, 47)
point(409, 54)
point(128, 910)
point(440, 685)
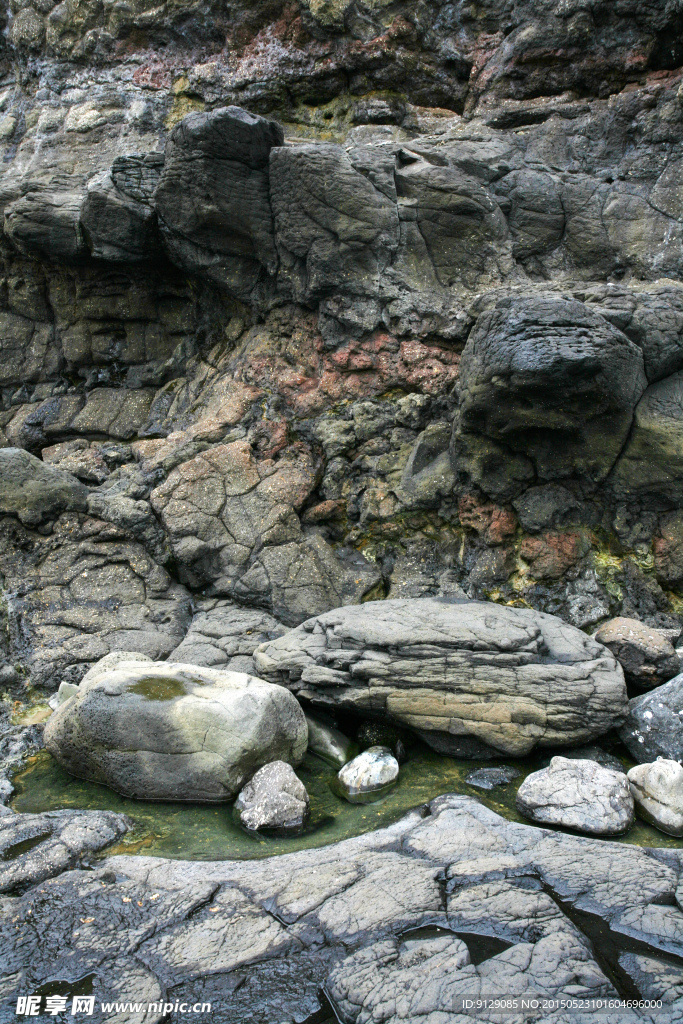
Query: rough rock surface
point(654, 725)
point(646, 656)
point(34, 847)
point(16, 743)
point(548, 386)
point(395, 290)
point(442, 904)
point(469, 676)
point(578, 794)
point(658, 793)
point(273, 798)
point(225, 635)
point(169, 731)
point(593, 753)
point(32, 490)
point(81, 591)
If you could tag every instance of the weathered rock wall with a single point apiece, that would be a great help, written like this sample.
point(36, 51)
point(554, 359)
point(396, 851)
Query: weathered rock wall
point(328, 301)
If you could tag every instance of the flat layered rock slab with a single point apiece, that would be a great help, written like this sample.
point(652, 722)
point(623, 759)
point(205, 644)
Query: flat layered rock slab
point(468, 676)
point(450, 902)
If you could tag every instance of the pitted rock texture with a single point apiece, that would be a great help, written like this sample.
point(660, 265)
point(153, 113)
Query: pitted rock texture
point(654, 726)
point(548, 385)
point(224, 158)
point(32, 490)
point(469, 676)
point(273, 798)
point(168, 731)
point(393, 925)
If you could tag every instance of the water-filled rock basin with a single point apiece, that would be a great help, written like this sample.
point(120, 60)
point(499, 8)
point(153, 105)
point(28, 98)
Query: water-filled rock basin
point(212, 832)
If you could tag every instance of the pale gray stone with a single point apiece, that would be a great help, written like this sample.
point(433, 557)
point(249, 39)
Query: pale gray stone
point(578, 794)
point(168, 731)
point(273, 798)
point(657, 789)
point(369, 775)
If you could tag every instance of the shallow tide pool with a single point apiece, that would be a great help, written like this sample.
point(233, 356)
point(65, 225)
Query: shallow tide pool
point(211, 832)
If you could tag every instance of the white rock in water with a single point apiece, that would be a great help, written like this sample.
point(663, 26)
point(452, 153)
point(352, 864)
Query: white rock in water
point(578, 794)
point(369, 775)
point(657, 789)
point(274, 798)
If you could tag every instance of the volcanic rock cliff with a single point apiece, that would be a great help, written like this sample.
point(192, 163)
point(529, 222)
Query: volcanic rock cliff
point(323, 301)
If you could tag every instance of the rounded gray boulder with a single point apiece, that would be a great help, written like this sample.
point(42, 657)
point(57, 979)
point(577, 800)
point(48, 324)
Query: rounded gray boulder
point(168, 731)
point(578, 794)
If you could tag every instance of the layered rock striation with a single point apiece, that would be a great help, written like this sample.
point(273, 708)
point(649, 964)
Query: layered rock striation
point(471, 678)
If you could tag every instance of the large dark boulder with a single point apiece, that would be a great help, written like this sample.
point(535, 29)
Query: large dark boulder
point(652, 461)
point(336, 231)
point(459, 220)
point(212, 200)
point(117, 216)
point(654, 725)
point(547, 391)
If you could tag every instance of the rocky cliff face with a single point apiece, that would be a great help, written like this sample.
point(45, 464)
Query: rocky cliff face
point(330, 300)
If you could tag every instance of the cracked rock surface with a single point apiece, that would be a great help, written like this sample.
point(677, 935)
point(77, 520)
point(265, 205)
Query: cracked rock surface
point(34, 847)
point(394, 925)
point(471, 677)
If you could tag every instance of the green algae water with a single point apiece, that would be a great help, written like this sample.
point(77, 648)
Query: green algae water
point(211, 832)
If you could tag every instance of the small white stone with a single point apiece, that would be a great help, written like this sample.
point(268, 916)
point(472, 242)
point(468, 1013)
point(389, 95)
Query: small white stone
point(371, 772)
